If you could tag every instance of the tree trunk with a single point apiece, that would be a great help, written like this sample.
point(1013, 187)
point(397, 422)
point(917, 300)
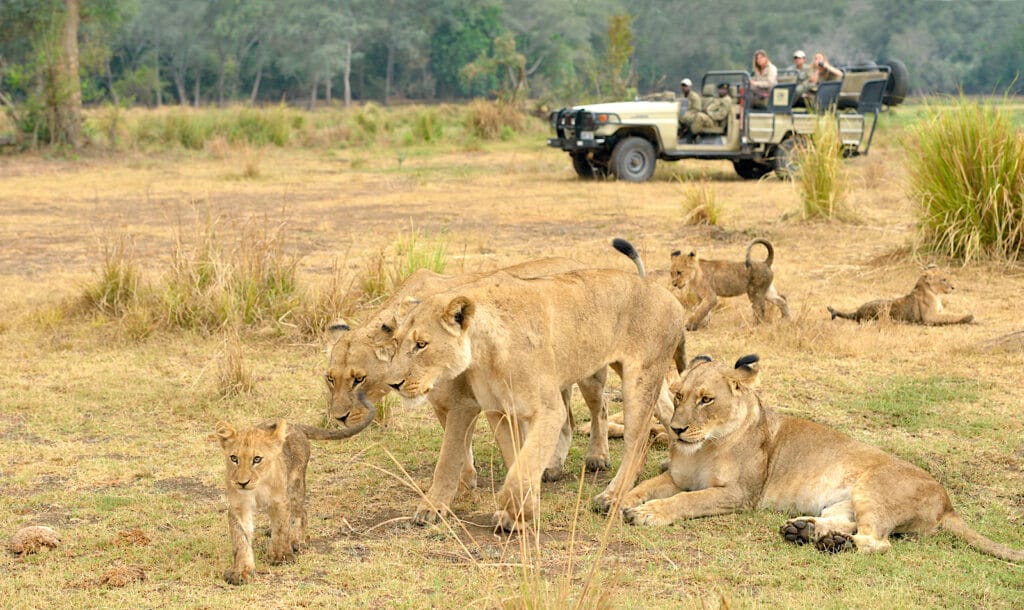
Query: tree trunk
point(389, 71)
point(312, 92)
point(256, 81)
point(327, 90)
point(157, 85)
point(110, 85)
point(222, 59)
point(348, 74)
point(69, 99)
point(179, 84)
point(195, 97)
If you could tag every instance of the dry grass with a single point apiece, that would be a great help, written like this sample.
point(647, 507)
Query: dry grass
point(102, 436)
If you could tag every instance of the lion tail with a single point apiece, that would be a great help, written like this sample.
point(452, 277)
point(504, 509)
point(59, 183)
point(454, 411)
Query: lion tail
point(767, 245)
point(953, 524)
point(322, 434)
point(627, 248)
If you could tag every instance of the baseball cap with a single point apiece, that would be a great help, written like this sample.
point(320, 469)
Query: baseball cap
point(686, 82)
point(799, 53)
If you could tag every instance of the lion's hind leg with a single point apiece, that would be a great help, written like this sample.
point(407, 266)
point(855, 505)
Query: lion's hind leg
point(592, 390)
point(898, 498)
point(831, 532)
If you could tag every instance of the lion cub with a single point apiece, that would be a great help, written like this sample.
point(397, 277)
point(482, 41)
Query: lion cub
point(728, 452)
point(710, 279)
point(266, 469)
point(922, 306)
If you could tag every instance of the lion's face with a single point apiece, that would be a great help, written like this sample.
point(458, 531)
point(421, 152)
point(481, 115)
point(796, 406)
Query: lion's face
point(934, 281)
point(358, 363)
point(433, 345)
point(712, 400)
point(251, 453)
point(684, 266)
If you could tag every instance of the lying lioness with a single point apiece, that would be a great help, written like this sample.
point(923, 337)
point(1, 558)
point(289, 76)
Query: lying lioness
point(730, 453)
point(922, 306)
point(266, 468)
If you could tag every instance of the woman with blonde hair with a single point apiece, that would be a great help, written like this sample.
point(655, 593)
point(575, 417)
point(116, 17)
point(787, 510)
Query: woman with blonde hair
point(763, 76)
point(822, 71)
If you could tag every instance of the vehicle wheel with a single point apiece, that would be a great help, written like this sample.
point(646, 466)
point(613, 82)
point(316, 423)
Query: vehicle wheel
point(583, 168)
point(633, 160)
point(899, 83)
point(784, 159)
point(749, 169)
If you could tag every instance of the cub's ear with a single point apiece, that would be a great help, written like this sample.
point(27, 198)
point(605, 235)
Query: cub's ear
point(223, 432)
point(458, 313)
point(676, 253)
point(279, 430)
point(745, 373)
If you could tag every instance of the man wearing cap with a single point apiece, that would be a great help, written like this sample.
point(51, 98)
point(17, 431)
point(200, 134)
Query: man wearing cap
point(716, 112)
point(690, 107)
point(803, 72)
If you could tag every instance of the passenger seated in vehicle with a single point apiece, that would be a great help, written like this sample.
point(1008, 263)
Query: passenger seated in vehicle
point(713, 117)
point(821, 71)
point(690, 106)
point(803, 72)
point(763, 76)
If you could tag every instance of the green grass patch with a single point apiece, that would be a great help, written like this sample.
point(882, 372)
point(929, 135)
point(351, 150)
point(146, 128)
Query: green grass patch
point(915, 403)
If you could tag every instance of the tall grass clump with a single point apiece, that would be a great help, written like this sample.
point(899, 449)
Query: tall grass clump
point(701, 206)
point(821, 182)
point(966, 167)
point(116, 288)
point(492, 120)
point(408, 254)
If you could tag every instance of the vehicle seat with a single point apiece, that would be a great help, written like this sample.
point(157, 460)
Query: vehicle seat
point(825, 98)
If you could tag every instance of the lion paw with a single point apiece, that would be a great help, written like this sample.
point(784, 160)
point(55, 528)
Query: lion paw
point(427, 514)
point(238, 577)
point(602, 503)
point(834, 542)
point(645, 514)
point(799, 531)
point(597, 464)
point(551, 473)
point(504, 521)
point(279, 556)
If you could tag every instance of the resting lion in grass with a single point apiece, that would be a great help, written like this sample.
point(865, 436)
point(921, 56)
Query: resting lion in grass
point(266, 469)
point(518, 342)
point(731, 453)
point(359, 359)
point(922, 306)
point(710, 279)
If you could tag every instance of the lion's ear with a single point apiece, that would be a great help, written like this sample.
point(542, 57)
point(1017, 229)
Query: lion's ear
point(698, 359)
point(279, 430)
point(458, 313)
point(335, 330)
point(223, 432)
point(745, 373)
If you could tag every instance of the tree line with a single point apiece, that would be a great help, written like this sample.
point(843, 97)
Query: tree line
point(56, 54)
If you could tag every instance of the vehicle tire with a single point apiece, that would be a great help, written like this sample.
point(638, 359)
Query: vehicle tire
point(748, 169)
point(633, 160)
point(784, 159)
point(899, 83)
point(583, 167)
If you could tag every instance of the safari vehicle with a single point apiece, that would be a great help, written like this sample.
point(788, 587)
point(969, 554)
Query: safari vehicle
point(625, 139)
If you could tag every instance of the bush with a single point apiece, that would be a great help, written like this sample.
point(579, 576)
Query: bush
point(492, 120)
point(966, 167)
point(819, 161)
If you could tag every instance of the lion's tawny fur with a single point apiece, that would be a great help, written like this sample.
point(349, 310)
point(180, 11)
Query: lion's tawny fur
point(922, 306)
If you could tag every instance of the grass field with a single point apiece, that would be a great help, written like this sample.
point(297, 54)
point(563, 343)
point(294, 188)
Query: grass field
point(103, 429)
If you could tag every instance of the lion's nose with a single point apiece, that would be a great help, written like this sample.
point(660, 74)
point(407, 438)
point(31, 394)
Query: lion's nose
point(679, 431)
point(344, 418)
point(243, 484)
point(397, 386)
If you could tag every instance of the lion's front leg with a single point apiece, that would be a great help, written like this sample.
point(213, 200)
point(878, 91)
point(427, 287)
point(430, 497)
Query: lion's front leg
point(639, 394)
point(686, 505)
point(701, 316)
point(655, 488)
point(448, 473)
point(942, 319)
point(280, 549)
point(240, 525)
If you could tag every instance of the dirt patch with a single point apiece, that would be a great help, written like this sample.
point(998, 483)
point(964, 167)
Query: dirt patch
point(188, 488)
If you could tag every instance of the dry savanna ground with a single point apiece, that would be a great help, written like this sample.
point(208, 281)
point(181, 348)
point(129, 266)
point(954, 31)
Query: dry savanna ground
point(103, 434)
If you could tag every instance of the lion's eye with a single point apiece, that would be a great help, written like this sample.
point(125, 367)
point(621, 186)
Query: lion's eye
point(706, 400)
point(330, 380)
point(679, 397)
point(233, 458)
point(421, 344)
point(357, 380)
point(257, 459)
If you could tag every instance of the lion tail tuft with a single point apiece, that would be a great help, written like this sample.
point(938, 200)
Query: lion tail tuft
point(627, 248)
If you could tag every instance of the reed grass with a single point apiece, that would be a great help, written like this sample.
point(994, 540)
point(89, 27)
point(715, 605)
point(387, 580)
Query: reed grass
point(820, 179)
point(966, 175)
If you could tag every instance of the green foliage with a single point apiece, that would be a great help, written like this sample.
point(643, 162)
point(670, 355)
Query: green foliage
point(966, 167)
point(504, 64)
point(409, 253)
point(620, 50)
point(819, 163)
point(490, 121)
point(116, 289)
point(914, 403)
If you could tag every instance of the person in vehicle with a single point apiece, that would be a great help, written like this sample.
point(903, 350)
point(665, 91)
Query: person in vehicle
point(715, 114)
point(763, 76)
point(803, 72)
point(689, 107)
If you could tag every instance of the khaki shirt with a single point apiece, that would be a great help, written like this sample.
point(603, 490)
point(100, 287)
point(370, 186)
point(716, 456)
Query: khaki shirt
point(693, 101)
point(718, 108)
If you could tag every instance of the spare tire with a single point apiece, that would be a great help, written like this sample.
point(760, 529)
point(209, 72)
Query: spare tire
point(899, 83)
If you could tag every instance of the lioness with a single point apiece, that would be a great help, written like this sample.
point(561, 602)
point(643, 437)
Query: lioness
point(358, 361)
point(729, 453)
point(922, 306)
point(266, 468)
point(710, 279)
point(518, 342)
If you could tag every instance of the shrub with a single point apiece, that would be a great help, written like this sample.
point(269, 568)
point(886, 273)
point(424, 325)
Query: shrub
point(700, 205)
point(819, 159)
point(116, 289)
point(966, 167)
point(492, 120)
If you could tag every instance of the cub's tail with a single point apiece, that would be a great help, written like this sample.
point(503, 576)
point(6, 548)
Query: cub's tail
point(322, 434)
point(627, 248)
point(953, 524)
point(839, 314)
point(767, 245)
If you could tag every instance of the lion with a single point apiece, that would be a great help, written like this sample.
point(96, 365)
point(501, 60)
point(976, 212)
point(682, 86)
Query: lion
point(710, 279)
point(266, 468)
point(517, 342)
point(358, 361)
point(922, 306)
point(730, 453)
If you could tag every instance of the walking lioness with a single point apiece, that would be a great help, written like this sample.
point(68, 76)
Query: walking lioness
point(266, 468)
point(710, 279)
point(729, 453)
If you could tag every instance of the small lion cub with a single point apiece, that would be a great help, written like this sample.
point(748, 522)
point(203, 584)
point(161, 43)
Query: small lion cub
point(266, 469)
point(922, 306)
